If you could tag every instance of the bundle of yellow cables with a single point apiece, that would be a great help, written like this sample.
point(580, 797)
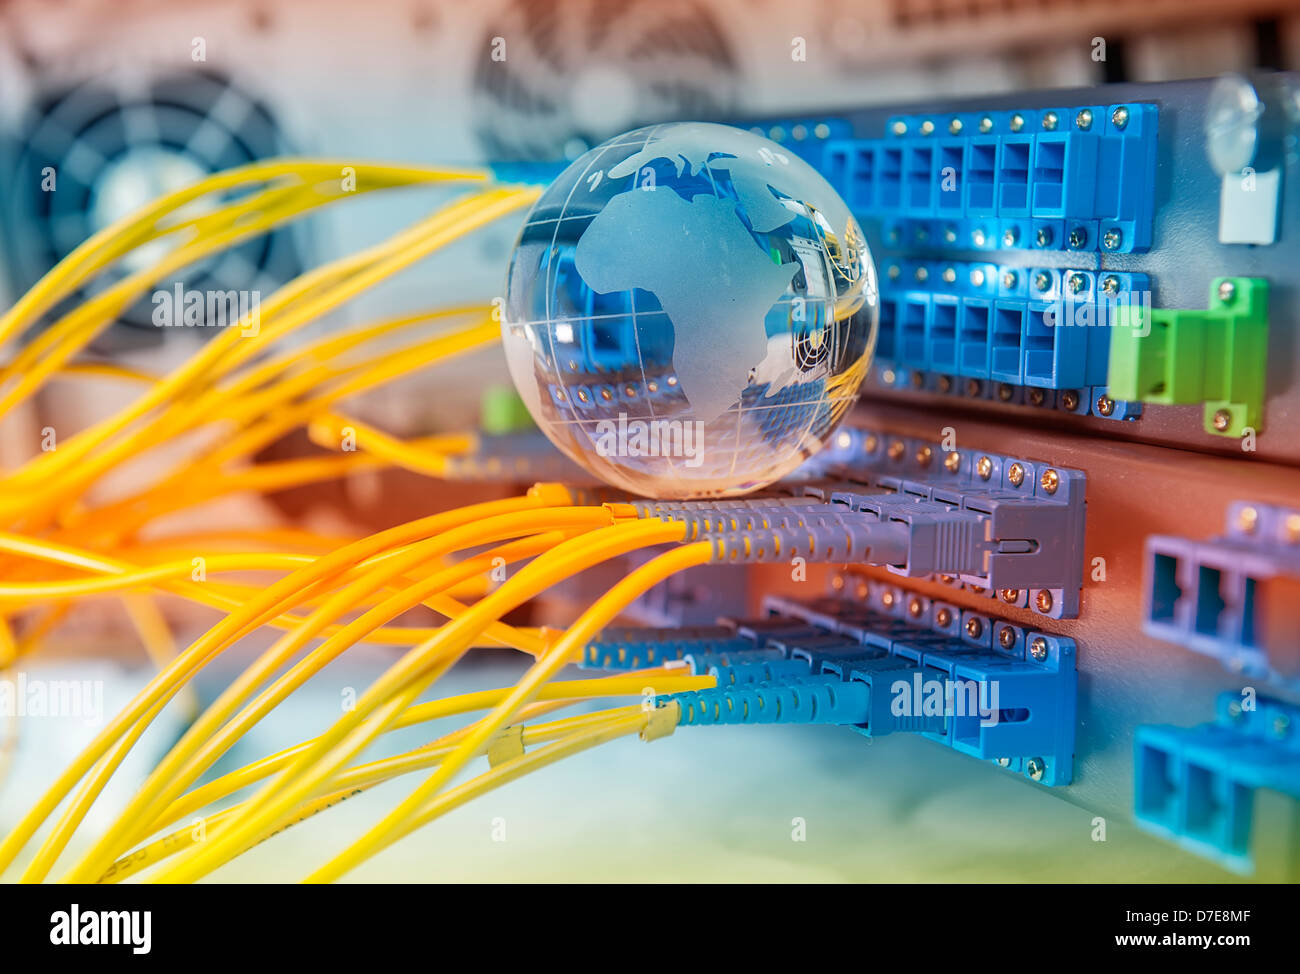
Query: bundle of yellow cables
point(63, 542)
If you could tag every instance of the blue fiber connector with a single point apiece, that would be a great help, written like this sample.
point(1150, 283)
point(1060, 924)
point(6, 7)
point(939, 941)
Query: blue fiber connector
point(809, 701)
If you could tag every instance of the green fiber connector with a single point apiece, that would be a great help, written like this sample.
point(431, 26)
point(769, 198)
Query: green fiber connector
point(1217, 357)
point(502, 411)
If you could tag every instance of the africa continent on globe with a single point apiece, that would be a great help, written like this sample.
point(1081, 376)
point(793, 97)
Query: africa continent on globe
point(690, 310)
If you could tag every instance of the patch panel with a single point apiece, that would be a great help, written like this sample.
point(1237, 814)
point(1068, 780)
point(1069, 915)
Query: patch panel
point(985, 326)
point(1217, 357)
point(1235, 598)
point(990, 689)
point(1206, 787)
point(1077, 179)
point(998, 523)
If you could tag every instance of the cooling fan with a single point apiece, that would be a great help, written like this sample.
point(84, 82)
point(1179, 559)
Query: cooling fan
point(562, 77)
point(92, 152)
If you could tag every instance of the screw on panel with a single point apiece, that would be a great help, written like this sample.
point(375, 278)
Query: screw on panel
point(1105, 405)
point(918, 379)
point(1016, 474)
point(979, 237)
point(1222, 420)
point(1076, 282)
point(862, 590)
point(1281, 725)
point(949, 275)
point(871, 443)
point(952, 462)
point(923, 455)
point(1009, 280)
point(927, 127)
point(1291, 528)
point(950, 235)
point(1036, 768)
point(1049, 481)
point(1119, 117)
point(1009, 236)
point(1069, 400)
point(1017, 122)
point(1042, 281)
point(1043, 600)
point(945, 383)
point(1037, 397)
point(822, 131)
point(1043, 236)
point(943, 617)
point(1078, 238)
point(974, 387)
point(1006, 392)
point(1038, 648)
point(986, 124)
point(887, 599)
point(1248, 519)
point(922, 273)
point(974, 628)
point(977, 277)
point(896, 450)
point(900, 127)
point(1007, 638)
point(1227, 291)
point(1112, 239)
point(984, 468)
point(954, 126)
point(1110, 284)
point(1009, 595)
point(837, 583)
point(1083, 120)
point(915, 608)
point(1050, 121)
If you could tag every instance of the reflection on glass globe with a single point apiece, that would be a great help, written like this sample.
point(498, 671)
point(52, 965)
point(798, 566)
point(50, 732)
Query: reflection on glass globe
point(690, 311)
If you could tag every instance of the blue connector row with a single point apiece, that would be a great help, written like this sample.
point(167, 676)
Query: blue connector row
point(980, 686)
point(806, 700)
point(1202, 786)
point(1235, 598)
point(1080, 179)
point(1044, 327)
point(984, 687)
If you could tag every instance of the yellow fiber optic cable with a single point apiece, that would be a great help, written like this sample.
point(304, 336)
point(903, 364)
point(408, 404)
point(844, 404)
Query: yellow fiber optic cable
point(141, 226)
point(560, 693)
point(399, 686)
point(567, 650)
point(634, 722)
point(203, 744)
point(360, 778)
point(264, 606)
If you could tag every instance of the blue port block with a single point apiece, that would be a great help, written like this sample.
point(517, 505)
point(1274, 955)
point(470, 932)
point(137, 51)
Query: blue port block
point(1016, 707)
point(1080, 178)
point(1232, 598)
point(1040, 327)
point(1199, 786)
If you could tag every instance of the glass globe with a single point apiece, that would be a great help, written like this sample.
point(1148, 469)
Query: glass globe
point(690, 310)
